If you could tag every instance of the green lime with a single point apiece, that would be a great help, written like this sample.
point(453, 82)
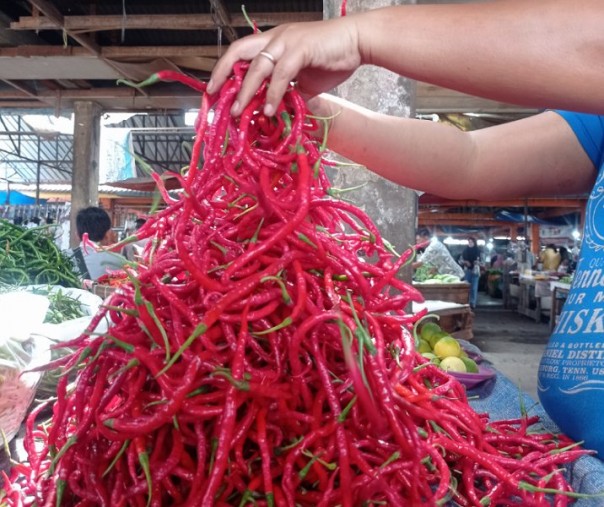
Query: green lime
point(423, 346)
point(432, 357)
point(471, 366)
point(447, 347)
point(429, 329)
point(436, 337)
point(453, 364)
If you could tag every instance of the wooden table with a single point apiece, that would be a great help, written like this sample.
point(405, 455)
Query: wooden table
point(528, 304)
point(559, 294)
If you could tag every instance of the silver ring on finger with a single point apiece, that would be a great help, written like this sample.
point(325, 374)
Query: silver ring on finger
point(268, 56)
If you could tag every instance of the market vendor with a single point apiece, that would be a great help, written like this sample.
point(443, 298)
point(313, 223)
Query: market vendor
point(133, 251)
point(550, 153)
point(96, 222)
point(470, 257)
point(550, 258)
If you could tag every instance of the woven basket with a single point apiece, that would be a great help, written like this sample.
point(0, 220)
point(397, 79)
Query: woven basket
point(17, 390)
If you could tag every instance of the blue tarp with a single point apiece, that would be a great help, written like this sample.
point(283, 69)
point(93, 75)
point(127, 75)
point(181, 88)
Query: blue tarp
point(510, 216)
point(13, 197)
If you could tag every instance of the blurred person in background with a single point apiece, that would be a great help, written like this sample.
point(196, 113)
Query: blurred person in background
point(470, 258)
point(96, 223)
point(549, 258)
point(134, 250)
point(566, 262)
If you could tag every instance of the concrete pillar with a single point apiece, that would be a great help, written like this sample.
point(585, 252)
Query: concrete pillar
point(85, 176)
point(393, 208)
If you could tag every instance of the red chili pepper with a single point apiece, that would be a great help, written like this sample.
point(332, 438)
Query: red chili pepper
point(224, 378)
point(167, 75)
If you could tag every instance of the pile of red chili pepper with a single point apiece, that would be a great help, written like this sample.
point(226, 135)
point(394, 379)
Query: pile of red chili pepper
point(261, 355)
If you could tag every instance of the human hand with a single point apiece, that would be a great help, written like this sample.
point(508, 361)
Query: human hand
point(318, 55)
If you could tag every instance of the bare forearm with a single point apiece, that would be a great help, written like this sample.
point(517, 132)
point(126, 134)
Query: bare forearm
point(541, 53)
point(539, 155)
point(413, 153)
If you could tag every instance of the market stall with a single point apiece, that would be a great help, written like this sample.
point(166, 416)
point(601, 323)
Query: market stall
point(540, 295)
point(450, 302)
point(255, 355)
point(559, 293)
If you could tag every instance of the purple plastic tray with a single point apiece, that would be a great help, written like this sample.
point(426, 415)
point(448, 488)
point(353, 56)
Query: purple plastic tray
point(477, 357)
point(471, 380)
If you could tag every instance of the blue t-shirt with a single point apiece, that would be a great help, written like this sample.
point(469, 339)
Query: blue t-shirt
point(571, 373)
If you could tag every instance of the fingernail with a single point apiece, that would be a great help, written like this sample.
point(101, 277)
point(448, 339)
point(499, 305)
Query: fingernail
point(235, 108)
point(269, 110)
point(210, 87)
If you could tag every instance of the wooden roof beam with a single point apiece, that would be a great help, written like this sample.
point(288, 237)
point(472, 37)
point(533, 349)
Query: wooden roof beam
point(114, 52)
point(51, 11)
point(83, 24)
point(436, 221)
point(531, 202)
point(436, 99)
point(21, 87)
point(223, 19)
point(554, 212)
point(27, 91)
point(456, 216)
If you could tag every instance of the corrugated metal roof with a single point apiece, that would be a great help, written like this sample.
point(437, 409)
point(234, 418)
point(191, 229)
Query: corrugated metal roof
point(24, 153)
point(65, 189)
point(161, 141)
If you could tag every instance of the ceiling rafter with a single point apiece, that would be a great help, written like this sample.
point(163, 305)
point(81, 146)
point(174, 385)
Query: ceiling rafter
point(223, 19)
point(113, 52)
point(531, 202)
point(99, 23)
point(483, 222)
point(52, 12)
point(21, 87)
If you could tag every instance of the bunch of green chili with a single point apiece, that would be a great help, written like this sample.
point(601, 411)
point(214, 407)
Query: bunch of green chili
point(30, 256)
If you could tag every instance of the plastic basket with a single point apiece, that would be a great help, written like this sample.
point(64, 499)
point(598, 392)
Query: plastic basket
point(17, 390)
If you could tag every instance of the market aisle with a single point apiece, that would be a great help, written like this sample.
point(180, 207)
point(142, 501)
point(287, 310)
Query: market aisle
point(512, 342)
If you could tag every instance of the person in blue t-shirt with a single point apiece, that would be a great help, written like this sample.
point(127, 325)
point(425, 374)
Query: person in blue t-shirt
point(546, 54)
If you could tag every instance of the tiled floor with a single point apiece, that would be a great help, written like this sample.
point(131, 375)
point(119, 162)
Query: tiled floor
point(512, 342)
